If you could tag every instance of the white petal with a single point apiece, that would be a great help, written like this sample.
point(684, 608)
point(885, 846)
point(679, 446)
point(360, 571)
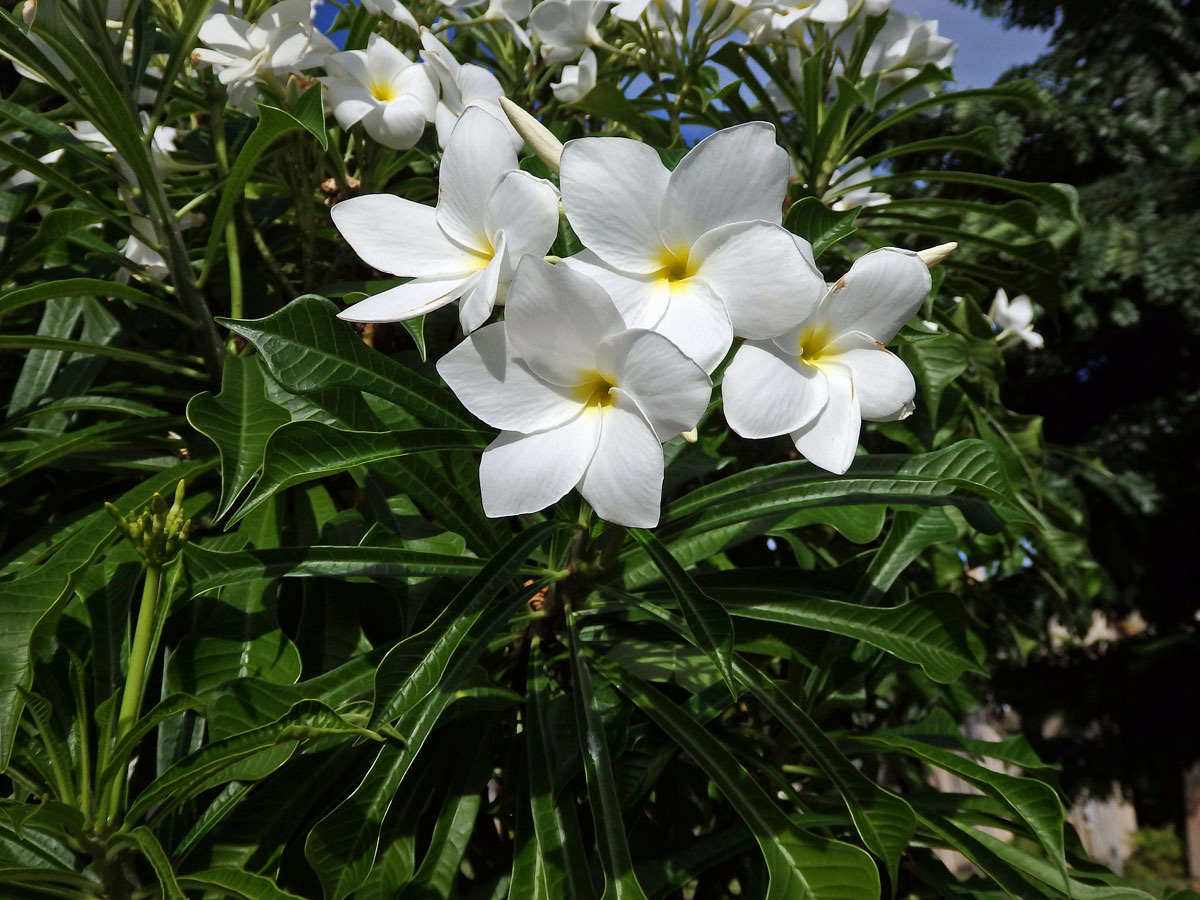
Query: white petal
point(766, 393)
point(625, 478)
point(884, 386)
point(578, 80)
point(477, 303)
point(562, 26)
point(525, 208)
point(829, 440)
point(556, 318)
point(227, 34)
point(476, 156)
point(499, 389)
point(407, 301)
point(612, 191)
point(641, 299)
point(349, 102)
point(524, 473)
point(397, 124)
point(671, 390)
point(696, 323)
point(401, 237)
point(765, 282)
point(738, 174)
point(882, 291)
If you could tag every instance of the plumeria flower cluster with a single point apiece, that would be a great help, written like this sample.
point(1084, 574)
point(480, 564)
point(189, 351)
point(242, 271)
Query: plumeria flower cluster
point(604, 356)
point(281, 41)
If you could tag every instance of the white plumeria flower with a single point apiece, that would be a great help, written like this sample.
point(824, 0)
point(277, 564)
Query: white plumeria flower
point(282, 40)
point(394, 9)
point(1015, 317)
point(576, 80)
point(850, 188)
point(567, 27)
point(383, 89)
point(696, 254)
point(904, 46)
point(489, 215)
point(820, 380)
point(462, 86)
point(500, 12)
point(582, 401)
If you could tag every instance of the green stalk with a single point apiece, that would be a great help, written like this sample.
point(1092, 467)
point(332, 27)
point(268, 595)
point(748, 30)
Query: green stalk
point(232, 253)
point(135, 676)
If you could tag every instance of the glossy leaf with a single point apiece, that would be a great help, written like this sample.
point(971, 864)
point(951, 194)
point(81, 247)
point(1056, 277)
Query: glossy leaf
point(821, 226)
point(802, 866)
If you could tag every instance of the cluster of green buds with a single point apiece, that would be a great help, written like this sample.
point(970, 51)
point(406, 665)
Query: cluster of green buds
point(157, 532)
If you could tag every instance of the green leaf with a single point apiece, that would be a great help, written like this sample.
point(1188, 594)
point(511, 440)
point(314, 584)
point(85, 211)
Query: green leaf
point(966, 475)
point(273, 123)
point(239, 420)
point(709, 623)
point(42, 342)
point(1033, 801)
point(303, 451)
point(608, 102)
point(183, 41)
point(306, 720)
point(309, 111)
point(88, 287)
point(1062, 198)
point(32, 121)
point(801, 865)
point(911, 533)
point(93, 438)
point(210, 569)
point(929, 631)
point(308, 348)
point(33, 601)
point(884, 821)
point(936, 363)
point(556, 827)
point(118, 759)
point(59, 754)
point(821, 226)
point(243, 884)
point(620, 881)
point(412, 669)
point(157, 857)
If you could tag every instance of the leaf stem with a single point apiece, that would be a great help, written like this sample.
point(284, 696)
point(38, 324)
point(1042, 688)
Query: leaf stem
point(135, 675)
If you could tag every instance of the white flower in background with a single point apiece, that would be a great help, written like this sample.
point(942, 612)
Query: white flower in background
point(582, 401)
point(138, 249)
point(162, 144)
point(462, 86)
point(567, 27)
point(283, 40)
point(1015, 317)
point(696, 254)
point(849, 188)
point(576, 80)
point(498, 12)
point(489, 215)
point(394, 9)
point(820, 380)
point(384, 90)
point(903, 47)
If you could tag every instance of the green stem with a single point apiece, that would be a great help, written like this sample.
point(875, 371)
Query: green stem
point(135, 676)
point(232, 252)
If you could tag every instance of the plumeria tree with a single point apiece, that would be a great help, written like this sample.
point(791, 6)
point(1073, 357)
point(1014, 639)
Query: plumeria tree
point(583, 441)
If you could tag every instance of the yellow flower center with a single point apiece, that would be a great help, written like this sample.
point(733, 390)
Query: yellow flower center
point(595, 392)
point(811, 346)
point(674, 264)
point(383, 91)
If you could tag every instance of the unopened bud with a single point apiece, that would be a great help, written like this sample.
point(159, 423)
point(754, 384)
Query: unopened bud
point(691, 436)
point(935, 255)
point(541, 141)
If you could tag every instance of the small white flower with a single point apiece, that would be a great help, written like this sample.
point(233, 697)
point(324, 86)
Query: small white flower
point(283, 40)
point(850, 188)
point(819, 381)
point(582, 401)
point(576, 80)
point(1015, 317)
point(567, 27)
point(904, 46)
point(394, 9)
point(383, 89)
point(696, 254)
point(489, 215)
point(462, 86)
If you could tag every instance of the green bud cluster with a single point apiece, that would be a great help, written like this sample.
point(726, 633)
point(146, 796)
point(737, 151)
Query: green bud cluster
point(157, 532)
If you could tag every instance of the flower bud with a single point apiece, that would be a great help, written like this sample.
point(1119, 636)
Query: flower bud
point(541, 141)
